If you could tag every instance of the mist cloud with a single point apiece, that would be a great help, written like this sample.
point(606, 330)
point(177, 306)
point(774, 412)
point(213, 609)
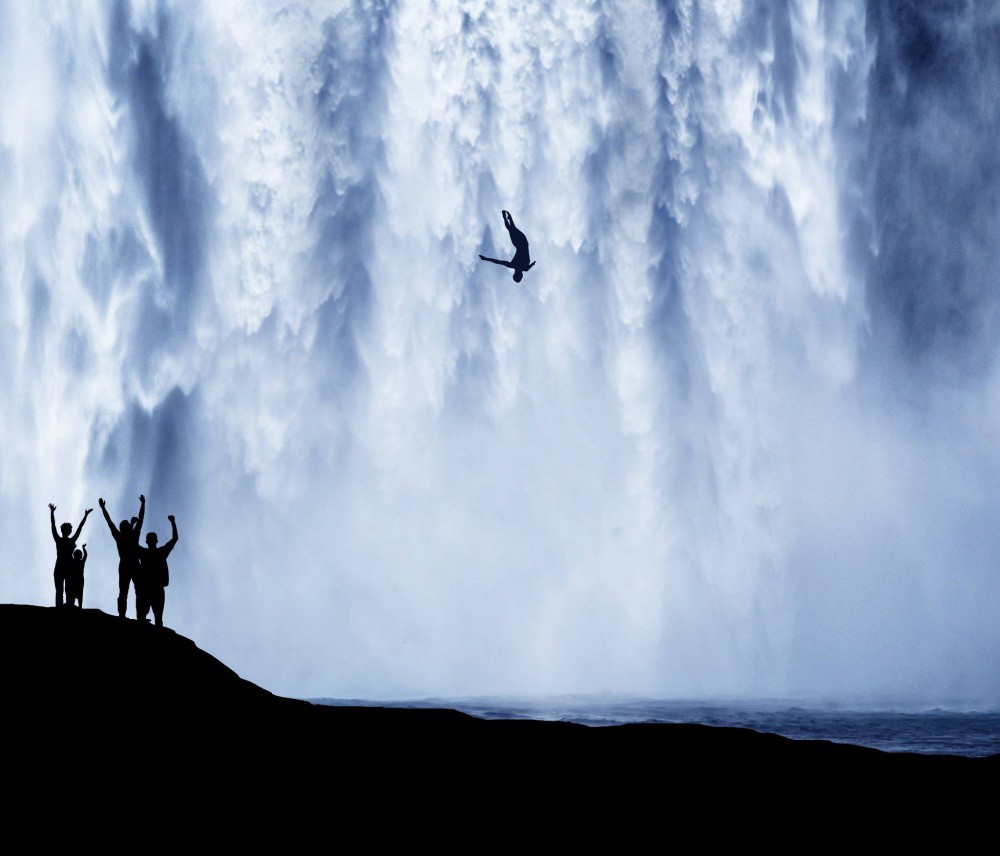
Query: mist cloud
point(735, 434)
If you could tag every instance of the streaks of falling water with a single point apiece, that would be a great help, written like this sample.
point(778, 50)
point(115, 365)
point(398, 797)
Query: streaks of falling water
point(237, 250)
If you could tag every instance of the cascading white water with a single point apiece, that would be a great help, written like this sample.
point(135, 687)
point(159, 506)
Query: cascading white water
point(239, 269)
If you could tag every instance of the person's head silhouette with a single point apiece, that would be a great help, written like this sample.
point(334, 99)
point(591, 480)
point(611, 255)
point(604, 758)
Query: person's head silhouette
point(151, 539)
point(78, 554)
point(517, 276)
point(124, 526)
point(66, 528)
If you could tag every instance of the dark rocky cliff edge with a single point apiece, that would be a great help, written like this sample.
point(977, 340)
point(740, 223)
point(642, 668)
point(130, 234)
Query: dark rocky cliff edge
point(119, 714)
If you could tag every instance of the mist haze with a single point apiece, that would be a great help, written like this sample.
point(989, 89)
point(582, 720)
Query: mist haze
point(735, 434)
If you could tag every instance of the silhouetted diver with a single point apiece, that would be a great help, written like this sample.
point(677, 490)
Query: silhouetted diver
point(74, 582)
point(154, 575)
point(521, 261)
point(127, 539)
point(65, 545)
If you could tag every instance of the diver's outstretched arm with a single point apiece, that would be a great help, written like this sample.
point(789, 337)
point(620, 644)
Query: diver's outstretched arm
point(529, 267)
point(52, 515)
point(79, 528)
point(497, 261)
point(104, 511)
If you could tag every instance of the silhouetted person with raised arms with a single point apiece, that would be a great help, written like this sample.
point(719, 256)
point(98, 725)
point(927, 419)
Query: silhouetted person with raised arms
point(127, 539)
point(74, 582)
point(154, 575)
point(65, 544)
point(521, 261)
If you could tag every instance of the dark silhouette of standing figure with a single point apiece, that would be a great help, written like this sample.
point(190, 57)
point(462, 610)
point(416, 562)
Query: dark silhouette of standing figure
point(74, 582)
point(521, 261)
point(154, 575)
point(127, 539)
point(65, 545)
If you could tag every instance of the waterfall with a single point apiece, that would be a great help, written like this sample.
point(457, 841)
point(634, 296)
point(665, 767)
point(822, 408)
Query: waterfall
point(735, 434)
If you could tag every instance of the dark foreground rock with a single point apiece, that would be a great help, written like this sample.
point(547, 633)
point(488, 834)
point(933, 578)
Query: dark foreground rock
point(138, 717)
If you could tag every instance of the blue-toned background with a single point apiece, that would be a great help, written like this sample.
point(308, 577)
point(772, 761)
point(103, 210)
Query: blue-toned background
point(736, 433)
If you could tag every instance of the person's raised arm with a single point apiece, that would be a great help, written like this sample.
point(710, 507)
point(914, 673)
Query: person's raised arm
point(173, 536)
point(104, 511)
point(52, 516)
point(142, 515)
point(84, 554)
point(79, 528)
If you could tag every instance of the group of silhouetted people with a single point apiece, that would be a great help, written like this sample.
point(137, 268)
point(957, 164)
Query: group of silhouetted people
point(145, 568)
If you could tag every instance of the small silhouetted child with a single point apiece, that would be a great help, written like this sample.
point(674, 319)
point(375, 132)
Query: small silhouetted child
point(74, 579)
